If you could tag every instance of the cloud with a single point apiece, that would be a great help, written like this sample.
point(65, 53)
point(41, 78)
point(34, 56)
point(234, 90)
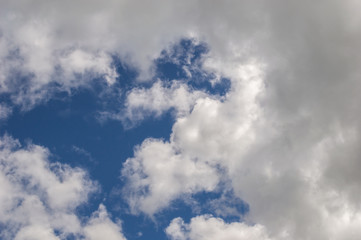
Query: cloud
point(33, 69)
point(81, 151)
point(5, 111)
point(47, 47)
point(286, 134)
point(38, 199)
point(38, 41)
point(100, 226)
point(208, 227)
point(161, 97)
point(197, 153)
point(283, 166)
point(157, 175)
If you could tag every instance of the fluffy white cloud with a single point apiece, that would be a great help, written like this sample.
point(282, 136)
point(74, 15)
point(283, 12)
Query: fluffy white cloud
point(39, 198)
point(208, 227)
point(158, 174)
point(46, 47)
point(101, 227)
point(295, 171)
point(155, 101)
point(202, 141)
point(33, 65)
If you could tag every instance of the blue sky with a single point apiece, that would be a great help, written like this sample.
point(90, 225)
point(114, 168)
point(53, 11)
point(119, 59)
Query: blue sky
point(185, 120)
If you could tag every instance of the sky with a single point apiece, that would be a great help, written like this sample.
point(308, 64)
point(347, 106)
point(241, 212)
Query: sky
point(180, 120)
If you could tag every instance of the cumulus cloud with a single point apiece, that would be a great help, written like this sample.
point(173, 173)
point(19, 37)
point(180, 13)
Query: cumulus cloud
point(40, 42)
point(45, 47)
point(158, 174)
point(33, 67)
point(284, 167)
point(100, 226)
point(208, 227)
point(286, 134)
point(161, 97)
point(38, 199)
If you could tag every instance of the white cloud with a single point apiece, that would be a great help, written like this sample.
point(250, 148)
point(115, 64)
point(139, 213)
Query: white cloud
point(158, 174)
point(101, 227)
point(36, 232)
point(141, 103)
point(160, 98)
point(81, 62)
point(295, 172)
point(38, 198)
point(34, 63)
point(208, 227)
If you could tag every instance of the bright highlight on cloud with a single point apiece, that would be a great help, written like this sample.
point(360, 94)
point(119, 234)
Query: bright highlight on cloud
point(284, 138)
